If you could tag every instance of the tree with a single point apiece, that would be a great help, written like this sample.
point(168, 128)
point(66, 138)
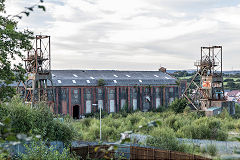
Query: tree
point(12, 43)
point(179, 105)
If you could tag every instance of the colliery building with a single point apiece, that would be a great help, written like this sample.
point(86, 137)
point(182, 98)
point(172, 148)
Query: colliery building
point(76, 91)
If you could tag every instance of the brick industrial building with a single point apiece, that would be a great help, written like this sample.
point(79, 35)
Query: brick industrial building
point(76, 90)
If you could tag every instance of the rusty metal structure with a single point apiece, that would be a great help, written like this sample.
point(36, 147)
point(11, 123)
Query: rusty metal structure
point(206, 91)
point(38, 86)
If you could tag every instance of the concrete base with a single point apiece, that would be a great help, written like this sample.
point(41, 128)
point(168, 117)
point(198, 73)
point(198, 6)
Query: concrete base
point(218, 106)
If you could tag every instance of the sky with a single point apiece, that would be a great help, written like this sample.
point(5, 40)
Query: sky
point(134, 34)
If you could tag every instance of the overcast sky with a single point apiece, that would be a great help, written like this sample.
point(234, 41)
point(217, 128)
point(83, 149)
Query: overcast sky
point(134, 34)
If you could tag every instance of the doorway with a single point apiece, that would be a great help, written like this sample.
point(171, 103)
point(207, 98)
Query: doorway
point(76, 112)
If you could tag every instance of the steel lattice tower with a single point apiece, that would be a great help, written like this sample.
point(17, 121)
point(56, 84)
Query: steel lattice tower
point(38, 86)
point(206, 88)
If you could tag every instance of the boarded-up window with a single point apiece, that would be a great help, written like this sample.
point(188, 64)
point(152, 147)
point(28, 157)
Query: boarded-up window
point(100, 104)
point(75, 92)
point(112, 106)
point(134, 104)
point(171, 100)
point(123, 102)
point(157, 102)
point(88, 106)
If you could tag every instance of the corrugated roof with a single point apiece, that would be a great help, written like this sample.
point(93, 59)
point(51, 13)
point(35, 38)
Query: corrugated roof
point(110, 77)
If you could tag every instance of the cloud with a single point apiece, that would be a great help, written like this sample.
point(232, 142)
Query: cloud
point(136, 34)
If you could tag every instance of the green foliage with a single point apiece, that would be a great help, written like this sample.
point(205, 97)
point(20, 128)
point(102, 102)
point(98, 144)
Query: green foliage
point(237, 111)
point(36, 121)
point(165, 138)
point(212, 150)
point(204, 128)
point(101, 82)
point(178, 105)
point(187, 110)
point(39, 150)
point(181, 125)
point(12, 43)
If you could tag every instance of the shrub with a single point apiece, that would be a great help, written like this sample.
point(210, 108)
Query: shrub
point(212, 149)
point(204, 128)
point(38, 150)
point(178, 105)
point(101, 82)
point(163, 138)
point(38, 120)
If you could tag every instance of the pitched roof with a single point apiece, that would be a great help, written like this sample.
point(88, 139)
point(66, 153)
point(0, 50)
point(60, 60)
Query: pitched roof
point(110, 77)
point(233, 93)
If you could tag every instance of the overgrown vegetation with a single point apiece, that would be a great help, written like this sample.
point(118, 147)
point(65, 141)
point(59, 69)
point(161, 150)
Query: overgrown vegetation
point(183, 125)
point(38, 120)
point(38, 150)
point(101, 82)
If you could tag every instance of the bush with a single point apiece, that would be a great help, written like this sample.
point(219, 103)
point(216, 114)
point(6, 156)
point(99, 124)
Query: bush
point(204, 128)
point(38, 150)
point(101, 82)
point(178, 105)
point(163, 138)
point(212, 150)
point(36, 121)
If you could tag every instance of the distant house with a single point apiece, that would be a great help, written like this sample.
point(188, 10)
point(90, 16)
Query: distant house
point(233, 96)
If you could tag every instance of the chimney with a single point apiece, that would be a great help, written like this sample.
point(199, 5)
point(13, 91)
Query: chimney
point(162, 69)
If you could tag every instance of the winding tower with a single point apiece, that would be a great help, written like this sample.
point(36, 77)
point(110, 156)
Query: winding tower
point(205, 92)
point(38, 86)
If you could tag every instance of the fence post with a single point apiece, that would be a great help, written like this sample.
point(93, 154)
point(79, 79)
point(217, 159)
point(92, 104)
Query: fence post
point(153, 153)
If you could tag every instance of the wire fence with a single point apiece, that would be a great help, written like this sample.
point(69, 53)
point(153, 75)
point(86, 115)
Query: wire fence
point(223, 147)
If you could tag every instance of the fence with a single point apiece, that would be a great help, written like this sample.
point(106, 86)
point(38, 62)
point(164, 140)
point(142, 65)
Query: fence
point(131, 152)
point(223, 147)
point(18, 149)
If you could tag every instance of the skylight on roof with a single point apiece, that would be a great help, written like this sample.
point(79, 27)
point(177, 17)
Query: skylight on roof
point(73, 81)
point(75, 75)
point(59, 81)
point(140, 80)
point(128, 75)
point(156, 75)
point(115, 75)
point(88, 81)
point(92, 77)
point(115, 81)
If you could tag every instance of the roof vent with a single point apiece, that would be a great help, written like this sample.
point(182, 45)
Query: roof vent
point(115, 75)
point(92, 77)
point(128, 75)
point(115, 81)
point(75, 75)
point(59, 81)
point(156, 75)
point(88, 81)
point(73, 81)
point(140, 80)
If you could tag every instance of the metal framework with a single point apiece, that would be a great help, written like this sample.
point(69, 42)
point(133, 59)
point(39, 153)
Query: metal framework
point(207, 84)
point(38, 86)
